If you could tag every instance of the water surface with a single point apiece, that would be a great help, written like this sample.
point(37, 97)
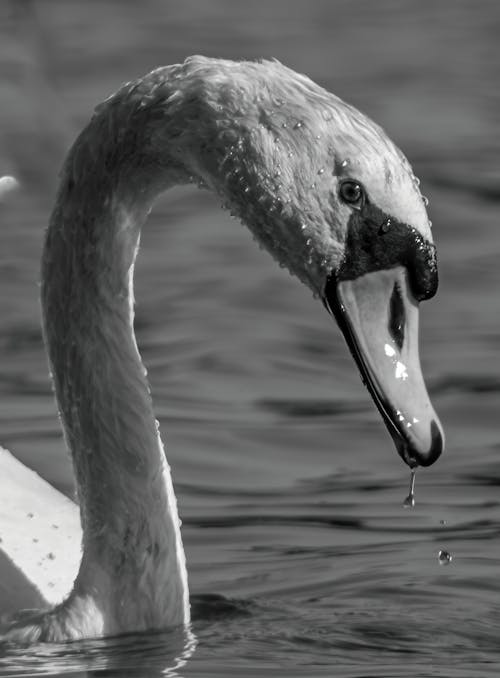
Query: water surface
point(302, 560)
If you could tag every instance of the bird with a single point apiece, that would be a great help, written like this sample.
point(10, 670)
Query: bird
point(324, 190)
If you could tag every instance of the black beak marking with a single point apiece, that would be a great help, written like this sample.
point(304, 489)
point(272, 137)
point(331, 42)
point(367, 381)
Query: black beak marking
point(397, 317)
point(376, 241)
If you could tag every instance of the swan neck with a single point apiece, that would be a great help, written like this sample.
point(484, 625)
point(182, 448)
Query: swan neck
point(132, 548)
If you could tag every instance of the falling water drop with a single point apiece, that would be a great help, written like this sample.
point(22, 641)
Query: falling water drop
point(409, 502)
point(444, 557)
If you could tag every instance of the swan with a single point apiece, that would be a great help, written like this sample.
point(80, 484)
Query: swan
point(324, 190)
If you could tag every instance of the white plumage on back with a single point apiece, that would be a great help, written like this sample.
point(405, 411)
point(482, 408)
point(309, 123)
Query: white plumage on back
point(40, 535)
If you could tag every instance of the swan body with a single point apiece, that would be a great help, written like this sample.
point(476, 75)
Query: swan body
point(40, 531)
point(324, 190)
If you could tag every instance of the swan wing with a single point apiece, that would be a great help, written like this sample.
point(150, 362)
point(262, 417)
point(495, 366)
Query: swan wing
point(40, 538)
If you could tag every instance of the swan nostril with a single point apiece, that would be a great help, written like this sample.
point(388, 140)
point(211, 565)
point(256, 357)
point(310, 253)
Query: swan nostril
point(397, 317)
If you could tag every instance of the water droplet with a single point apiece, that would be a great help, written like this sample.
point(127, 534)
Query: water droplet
point(318, 136)
point(284, 125)
point(298, 124)
point(430, 223)
point(425, 200)
point(246, 189)
point(409, 502)
point(444, 557)
point(313, 185)
point(308, 241)
point(344, 163)
point(321, 171)
point(385, 226)
point(417, 180)
point(303, 227)
point(442, 522)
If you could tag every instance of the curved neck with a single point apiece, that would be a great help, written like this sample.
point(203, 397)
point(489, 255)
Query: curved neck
point(215, 122)
point(133, 565)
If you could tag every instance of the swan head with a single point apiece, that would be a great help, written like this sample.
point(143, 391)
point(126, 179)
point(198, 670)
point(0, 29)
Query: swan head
point(334, 200)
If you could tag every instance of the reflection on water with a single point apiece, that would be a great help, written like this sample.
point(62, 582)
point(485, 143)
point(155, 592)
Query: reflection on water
point(302, 560)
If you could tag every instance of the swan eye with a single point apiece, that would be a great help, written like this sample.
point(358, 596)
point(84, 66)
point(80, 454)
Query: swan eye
point(352, 193)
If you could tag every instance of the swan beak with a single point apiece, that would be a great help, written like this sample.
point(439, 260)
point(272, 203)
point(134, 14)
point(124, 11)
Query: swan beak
point(378, 316)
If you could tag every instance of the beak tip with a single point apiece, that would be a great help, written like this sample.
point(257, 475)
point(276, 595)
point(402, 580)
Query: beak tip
point(415, 457)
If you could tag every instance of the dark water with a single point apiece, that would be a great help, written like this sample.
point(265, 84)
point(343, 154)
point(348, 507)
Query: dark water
point(288, 485)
